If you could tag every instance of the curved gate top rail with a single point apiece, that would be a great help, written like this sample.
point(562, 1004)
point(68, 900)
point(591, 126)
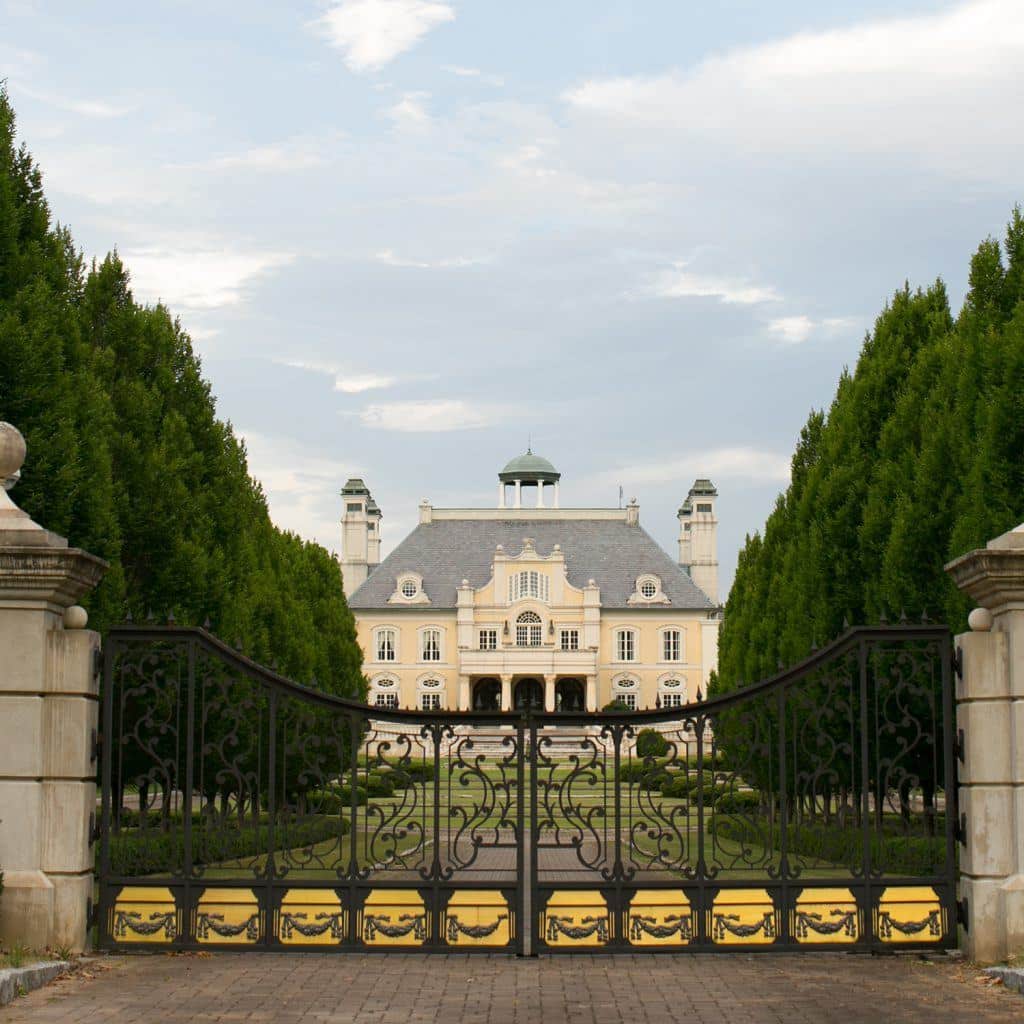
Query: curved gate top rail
point(814, 809)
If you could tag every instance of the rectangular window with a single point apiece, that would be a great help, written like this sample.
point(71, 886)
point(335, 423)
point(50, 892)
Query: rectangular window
point(629, 699)
point(353, 507)
point(703, 508)
point(430, 701)
point(570, 640)
point(385, 645)
point(671, 700)
point(431, 645)
point(670, 645)
point(386, 700)
point(625, 645)
point(488, 639)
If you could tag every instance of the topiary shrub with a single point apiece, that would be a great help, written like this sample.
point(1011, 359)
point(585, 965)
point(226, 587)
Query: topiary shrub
point(650, 743)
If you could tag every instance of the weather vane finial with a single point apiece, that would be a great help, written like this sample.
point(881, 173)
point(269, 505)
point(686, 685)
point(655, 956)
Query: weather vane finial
point(529, 444)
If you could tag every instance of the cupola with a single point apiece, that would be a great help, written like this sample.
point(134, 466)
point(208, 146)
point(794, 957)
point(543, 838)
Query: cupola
point(532, 473)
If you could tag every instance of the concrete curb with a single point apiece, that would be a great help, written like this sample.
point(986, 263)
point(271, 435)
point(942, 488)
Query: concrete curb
point(1011, 977)
point(16, 981)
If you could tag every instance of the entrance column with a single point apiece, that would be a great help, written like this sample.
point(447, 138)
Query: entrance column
point(549, 693)
point(464, 704)
point(591, 693)
point(506, 693)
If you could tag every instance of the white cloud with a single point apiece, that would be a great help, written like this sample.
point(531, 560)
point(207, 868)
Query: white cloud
point(390, 259)
point(344, 380)
point(410, 113)
point(198, 279)
point(795, 330)
point(932, 86)
point(431, 415)
point(741, 463)
point(680, 283)
point(371, 33)
point(481, 76)
point(292, 155)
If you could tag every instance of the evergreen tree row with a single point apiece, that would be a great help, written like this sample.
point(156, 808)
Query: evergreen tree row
point(127, 458)
point(919, 459)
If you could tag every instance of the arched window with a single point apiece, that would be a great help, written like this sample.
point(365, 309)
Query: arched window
point(528, 630)
point(672, 693)
point(625, 645)
point(386, 644)
point(528, 583)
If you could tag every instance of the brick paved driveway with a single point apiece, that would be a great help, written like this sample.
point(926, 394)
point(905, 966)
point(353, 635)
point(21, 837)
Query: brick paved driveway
point(405, 989)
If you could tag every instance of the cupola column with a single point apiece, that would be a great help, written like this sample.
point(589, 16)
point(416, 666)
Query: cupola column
point(501, 494)
point(556, 495)
point(519, 494)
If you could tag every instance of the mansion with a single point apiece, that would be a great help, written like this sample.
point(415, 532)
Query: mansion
point(532, 605)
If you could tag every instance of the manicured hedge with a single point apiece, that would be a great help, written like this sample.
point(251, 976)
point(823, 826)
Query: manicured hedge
point(650, 743)
point(904, 855)
point(133, 852)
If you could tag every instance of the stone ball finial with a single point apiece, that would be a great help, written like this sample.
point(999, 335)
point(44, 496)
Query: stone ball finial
point(12, 454)
point(75, 617)
point(980, 620)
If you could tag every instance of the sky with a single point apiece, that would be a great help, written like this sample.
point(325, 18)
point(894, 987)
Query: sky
point(409, 237)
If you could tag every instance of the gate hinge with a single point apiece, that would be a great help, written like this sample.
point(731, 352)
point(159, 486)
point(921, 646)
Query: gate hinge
point(958, 662)
point(961, 914)
point(94, 829)
point(91, 912)
point(97, 662)
point(960, 830)
point(94, 746)
point(959, 748)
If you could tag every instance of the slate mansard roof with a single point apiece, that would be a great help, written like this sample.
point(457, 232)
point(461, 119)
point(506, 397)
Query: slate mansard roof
point(611, 552)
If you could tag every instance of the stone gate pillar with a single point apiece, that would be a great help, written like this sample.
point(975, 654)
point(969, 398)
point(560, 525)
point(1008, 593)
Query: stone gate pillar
point(990, 711)
point(49, 694)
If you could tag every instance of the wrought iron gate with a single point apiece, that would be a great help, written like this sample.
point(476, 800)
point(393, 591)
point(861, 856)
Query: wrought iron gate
point(812, 810)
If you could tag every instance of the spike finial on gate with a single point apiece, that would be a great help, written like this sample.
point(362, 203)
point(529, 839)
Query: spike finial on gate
point(206, 623)
point(814, 645)
point(903, 616)
point(924, 616)
point(170, 618)
point(238, 645)
point(150, 617)
point(846, 623)
point(882, 620)
point(128, 617)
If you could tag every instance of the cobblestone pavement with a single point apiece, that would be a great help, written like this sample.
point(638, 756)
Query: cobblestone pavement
point(406, 989)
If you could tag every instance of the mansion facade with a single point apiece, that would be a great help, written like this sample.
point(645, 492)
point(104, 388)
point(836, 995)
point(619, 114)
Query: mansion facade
point(531, 605)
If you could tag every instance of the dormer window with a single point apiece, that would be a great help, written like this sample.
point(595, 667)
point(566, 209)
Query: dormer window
point(528, 584)
point(409, 590)
point(648, 591)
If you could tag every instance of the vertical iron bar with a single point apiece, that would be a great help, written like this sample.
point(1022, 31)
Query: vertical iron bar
point(950, 780)
point(702, 870)
point(783, 815)
point(618, 732)
point(271, 867)
point(189, 775)
point(434, 937)
point(530, 925)
point(865, 803)
point(524, 937)
point(353, 866)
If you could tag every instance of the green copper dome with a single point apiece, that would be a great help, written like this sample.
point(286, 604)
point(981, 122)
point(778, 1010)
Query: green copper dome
point(529, 467)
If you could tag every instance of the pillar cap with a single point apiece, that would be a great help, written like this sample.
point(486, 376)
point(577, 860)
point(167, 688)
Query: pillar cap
point(17, 529)
point(993, 575)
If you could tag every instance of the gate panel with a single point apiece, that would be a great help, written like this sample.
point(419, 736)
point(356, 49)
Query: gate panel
point(807, 811)
point(242, 811)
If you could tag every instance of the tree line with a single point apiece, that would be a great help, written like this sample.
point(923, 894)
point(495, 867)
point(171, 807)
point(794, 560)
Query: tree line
point(128, 459)
point(919, 458)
